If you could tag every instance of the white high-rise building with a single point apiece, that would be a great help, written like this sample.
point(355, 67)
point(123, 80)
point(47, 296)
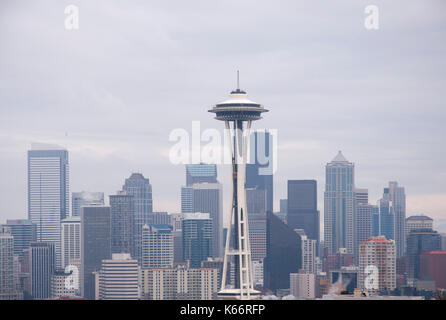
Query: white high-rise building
point(71, 251)
point(339, 204)
point(308, 254)
point(6, 263)
point(257, 271)
point(157, 246)
point(180, 282)
point(302, 285)
point(48, 192)
point(377, 265)
point(118, 279)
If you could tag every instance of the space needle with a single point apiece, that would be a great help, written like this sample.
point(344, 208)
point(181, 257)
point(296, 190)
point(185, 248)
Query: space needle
point(238, 112)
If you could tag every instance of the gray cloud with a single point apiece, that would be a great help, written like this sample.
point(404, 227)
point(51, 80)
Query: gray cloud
point(112, 91)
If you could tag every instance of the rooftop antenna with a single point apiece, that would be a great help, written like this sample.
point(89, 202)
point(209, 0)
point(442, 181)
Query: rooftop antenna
point(238, 80)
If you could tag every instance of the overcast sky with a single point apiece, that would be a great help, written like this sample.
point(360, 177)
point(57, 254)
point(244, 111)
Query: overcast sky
point(112, 91)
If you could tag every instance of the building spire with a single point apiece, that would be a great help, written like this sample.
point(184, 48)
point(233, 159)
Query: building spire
point(238, 80)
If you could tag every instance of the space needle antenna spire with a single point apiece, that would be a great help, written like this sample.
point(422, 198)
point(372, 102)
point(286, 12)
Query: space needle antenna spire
point(238, 113)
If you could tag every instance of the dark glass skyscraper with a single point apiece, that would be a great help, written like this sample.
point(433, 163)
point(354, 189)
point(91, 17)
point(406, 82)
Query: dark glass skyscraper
point(42, 267)
point(122, 223)
point(302, 210)
point(259, 173)
point(197, 238)
point(418, 241)
point(24, 232)
point(199, 173)
point(141, 190)
point(95, 243)
point(283, 253)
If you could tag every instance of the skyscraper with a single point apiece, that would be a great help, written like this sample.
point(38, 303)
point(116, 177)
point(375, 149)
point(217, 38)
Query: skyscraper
point(377, 259)
point(201, 173)
point(71, 242)
point(48, 192)
point(364, 225)
point(157, 246)
point(386, 216)
point(197, 238)
point(118, 278)
point(95, 245)
point(339, 204)
point(6, 263)
point(83, 198)
point(283, 254)
point(418, 222)
point(259, 173)
point(141, 190)
point(237, 111)
point(302, 210)
point(208, 198)
point(418, 241)
point(42, 267)
point(398, 199)
point(24, 232)
point(256, 201)
point(122, 223)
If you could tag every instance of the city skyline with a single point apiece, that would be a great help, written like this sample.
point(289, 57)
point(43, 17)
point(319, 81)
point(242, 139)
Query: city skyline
point(333, 76)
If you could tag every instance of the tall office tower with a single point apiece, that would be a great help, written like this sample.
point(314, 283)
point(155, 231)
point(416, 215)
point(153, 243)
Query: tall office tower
point(361, 195)
point(159, 218)
point(48, 194)
point(122, 223)
point(417, 222)
point(71, 251)
point(377, 255)
point(259, 171)
point(176, 220)
point(420, 240)
point(42, 267)
point(24, 232)
point(197, 238)
point(118, 278)
point(141, 190)
point(208, 197)
point(187, 199)
point(256, 201)
point(364, 224)
point(302, 285)
point(6, 263)
point(375, 221)
point(283, 210)
point(386, 216)
point(257, 236)
point(157, 246)
point(339, 204)
point(201, 173)
point(283, 254)
point(95, 245)
point(84, 198)
point(398, 200)
point(308, 254)
point(236, 112)
point(302, 210)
